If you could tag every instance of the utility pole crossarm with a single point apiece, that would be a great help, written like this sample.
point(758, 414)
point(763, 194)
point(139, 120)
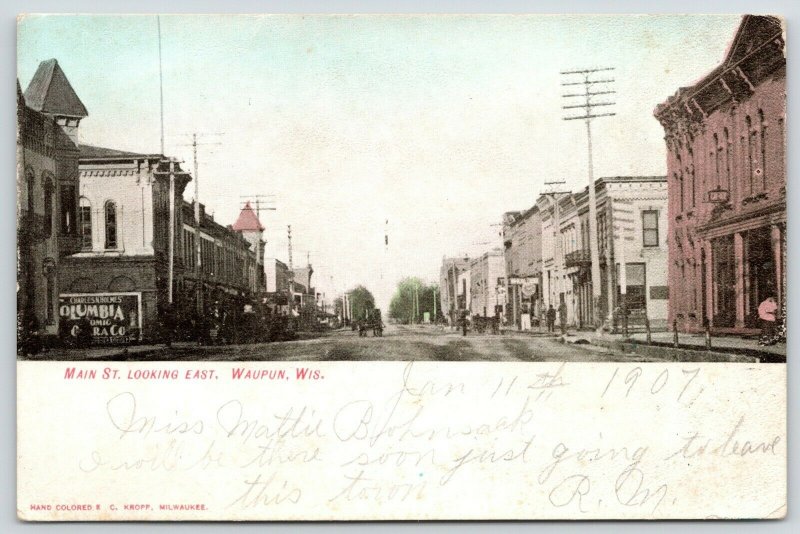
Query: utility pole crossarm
point(592, 116)
point(589, 105)
point(587, 71)
point(591, 93)
point(588, 82)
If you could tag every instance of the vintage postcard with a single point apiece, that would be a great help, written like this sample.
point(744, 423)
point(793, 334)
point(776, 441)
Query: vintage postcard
point(409, 267)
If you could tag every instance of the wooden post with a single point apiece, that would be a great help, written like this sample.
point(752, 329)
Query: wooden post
point(675, 333)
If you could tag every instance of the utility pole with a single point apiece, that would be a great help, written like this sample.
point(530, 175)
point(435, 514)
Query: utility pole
point(171, 245)
point(622, 226)
point(434, 304)
point(592, 87)
point(453, 303)
point(416, 302)
point(554, 197)
point(291, 270)
point(198, 256)
point(267, 200)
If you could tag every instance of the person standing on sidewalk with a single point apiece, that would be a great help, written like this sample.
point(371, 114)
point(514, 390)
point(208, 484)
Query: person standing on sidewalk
point(766, 314)
point(562, 317)
point(551, 319)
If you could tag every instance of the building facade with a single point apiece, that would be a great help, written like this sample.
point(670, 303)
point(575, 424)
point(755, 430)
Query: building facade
point(726, 144)
point(556, 286)
point(487, 284)
point(522, 243)
point(227, 274)
point(449, 288)
point(277, 285)
point(48, 115)
point(124, 218)
point(631, 222)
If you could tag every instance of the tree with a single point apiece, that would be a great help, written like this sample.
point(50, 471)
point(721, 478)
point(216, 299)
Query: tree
point(361, 301)
point(412, 300)
point(338, 307)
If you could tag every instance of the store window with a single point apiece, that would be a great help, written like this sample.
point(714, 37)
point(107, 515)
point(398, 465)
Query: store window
point(636, 297)
point(111, 224)
point(69, 210)
point(85, 217)
point(650, 228)
point(48, 208)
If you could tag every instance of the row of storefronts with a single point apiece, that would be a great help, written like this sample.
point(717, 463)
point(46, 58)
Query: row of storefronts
point(701, 247)
point(110, 253)
point(548, 262)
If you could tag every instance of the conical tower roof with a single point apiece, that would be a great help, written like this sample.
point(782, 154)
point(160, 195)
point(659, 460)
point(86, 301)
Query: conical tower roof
point(248, 220)
point(50, 92)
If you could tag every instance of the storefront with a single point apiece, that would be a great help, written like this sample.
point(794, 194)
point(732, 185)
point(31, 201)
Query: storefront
point(100, 318)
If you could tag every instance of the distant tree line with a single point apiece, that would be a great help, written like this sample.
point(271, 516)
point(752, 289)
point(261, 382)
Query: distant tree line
point(413, 299)
point(361, 301)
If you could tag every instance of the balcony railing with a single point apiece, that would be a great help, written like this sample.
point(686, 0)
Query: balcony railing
point(578, 258)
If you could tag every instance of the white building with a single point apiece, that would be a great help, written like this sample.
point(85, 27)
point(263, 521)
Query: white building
point(487, 284)
point(632, 230)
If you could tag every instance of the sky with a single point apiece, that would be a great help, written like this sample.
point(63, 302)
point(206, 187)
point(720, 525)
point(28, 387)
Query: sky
point(436, 124)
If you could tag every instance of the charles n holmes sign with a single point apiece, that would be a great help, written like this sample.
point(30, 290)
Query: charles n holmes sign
point(112, 318)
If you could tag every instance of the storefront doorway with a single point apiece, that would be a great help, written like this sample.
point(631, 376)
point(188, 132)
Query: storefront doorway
point(724, 282)
point(759, 272)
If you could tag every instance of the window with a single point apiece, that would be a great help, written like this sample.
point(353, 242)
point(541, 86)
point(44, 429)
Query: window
point(717, 155)
point(30, 179)
point(763, 142)
point(690, 172)
point(650, 228)
point(85, 217)
point(68, 210)
point(750, 152)
point(48, 208)
point(111, 224)
point(50, 296)
point(727, 148)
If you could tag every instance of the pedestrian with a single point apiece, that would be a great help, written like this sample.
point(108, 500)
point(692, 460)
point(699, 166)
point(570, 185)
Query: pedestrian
point(551, 319)
point(84, 332)
point(767, 316)
point(464, 322)
point(562, 317)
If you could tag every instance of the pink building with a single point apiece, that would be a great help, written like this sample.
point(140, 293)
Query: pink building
point(727, 184)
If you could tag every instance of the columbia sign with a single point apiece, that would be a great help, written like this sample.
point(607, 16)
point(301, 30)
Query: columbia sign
point(111, 318)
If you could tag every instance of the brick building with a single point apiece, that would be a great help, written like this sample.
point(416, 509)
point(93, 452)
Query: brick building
point(725, 138)
point(48, 115)
point(228, 274)
point(522, 242)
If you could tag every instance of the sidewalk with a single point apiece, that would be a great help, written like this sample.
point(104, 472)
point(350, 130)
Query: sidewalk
point(104, 353)
point(730, 344)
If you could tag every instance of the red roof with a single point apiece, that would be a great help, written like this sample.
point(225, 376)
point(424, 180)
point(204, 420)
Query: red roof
point(248, 221)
